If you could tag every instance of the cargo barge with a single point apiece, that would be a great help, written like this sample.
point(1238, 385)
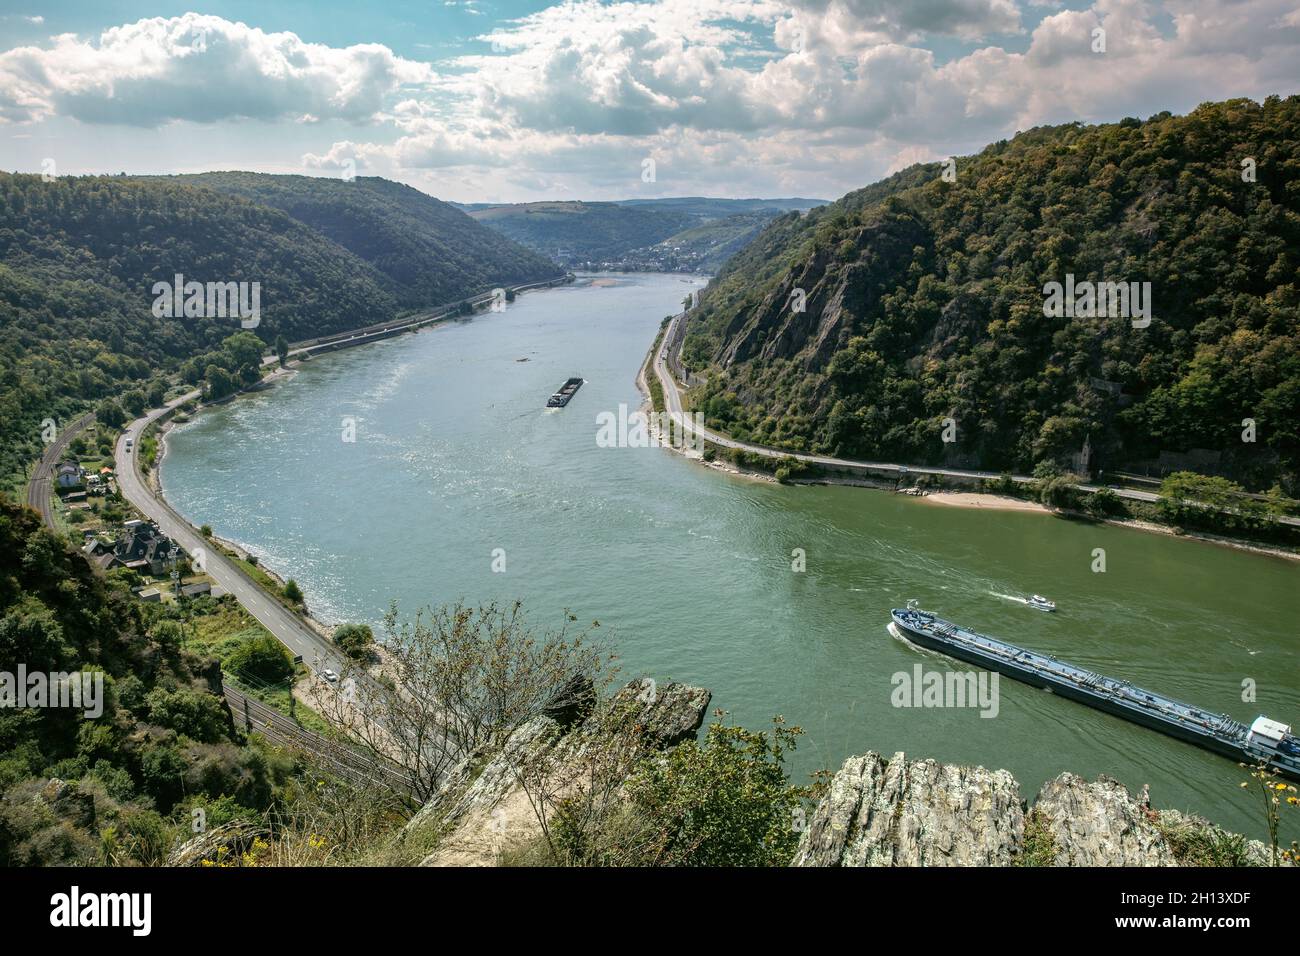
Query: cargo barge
point(566, 392)
point(1265, 740)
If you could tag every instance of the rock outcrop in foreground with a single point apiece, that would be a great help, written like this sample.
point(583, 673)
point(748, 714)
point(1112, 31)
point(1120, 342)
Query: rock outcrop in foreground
point(923, 813)
point(900, 812)
point(876, 811)
point(485, 812)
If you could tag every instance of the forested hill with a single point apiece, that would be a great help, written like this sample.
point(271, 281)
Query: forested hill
point(118, 789)
point(583, 231)
point(428, 250)
point(638, 233)
point(925, 300)
point(79, 257)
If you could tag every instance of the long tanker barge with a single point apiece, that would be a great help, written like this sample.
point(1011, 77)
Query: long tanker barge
point(1265, 740)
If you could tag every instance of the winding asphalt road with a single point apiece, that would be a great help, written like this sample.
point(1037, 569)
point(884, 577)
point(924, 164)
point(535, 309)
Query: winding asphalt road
point(673, 405)
point(274, 616)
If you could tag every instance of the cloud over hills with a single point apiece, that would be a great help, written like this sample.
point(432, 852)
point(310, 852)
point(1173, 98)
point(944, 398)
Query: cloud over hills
point(764, 96)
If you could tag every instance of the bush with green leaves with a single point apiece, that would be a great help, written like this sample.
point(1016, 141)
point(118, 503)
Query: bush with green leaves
point(726, 801)
point(355, 640)
point(261, 660)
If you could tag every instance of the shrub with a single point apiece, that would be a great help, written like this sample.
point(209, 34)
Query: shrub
point(724, 802)
point(355, 640)
point(261, 659)
point(1104, 503)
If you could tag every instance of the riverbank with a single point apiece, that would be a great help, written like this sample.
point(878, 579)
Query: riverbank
point(979, 499)
point(250, 565)
point(960, 499)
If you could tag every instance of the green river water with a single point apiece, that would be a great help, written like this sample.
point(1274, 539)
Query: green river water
point(689, 571)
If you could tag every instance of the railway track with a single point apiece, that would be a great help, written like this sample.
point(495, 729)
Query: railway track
point(38, 487)
point(356, 768)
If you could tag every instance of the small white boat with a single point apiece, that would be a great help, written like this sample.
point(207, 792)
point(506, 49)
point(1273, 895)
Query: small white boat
point(1041, 603)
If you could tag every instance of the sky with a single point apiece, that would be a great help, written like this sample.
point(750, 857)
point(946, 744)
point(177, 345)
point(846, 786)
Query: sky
point(517, 100)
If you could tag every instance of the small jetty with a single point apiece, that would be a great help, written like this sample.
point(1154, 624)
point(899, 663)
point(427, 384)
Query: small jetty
point(566, 392)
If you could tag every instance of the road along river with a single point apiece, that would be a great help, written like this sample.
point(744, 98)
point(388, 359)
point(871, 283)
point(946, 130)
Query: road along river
point(456, 469)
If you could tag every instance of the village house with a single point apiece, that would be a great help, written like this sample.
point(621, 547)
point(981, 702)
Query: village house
point(99, 553)
point(143, 548)
point(68, 475)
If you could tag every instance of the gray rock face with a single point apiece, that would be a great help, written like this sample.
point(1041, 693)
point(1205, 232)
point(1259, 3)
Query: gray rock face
point(923, 813)
point(1099, 823)
point(666, 715)
point(914, 813)
point(501, 775)
point(465, 793)
point(670, 714)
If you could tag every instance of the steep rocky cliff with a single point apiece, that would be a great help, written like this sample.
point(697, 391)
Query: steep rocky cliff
point(875, 811)
point(858, 328)
point(897, 812)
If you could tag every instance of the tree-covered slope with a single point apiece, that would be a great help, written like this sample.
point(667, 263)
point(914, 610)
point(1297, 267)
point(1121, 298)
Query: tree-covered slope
point(704, 248)
point(637, 231)
point(79, 257)
point(925, 300)
point(583, 231)
point(709, 207)
point(116, 787)
point(429, 251)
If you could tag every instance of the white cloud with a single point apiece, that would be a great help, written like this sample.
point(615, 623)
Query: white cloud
point(845, 25)
point(597, 87)
point(736, 96)
point(199, 68)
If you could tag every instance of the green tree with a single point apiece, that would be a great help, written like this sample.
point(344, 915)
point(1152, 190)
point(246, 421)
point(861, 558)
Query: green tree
point(1187, 498)
point(244, 348)
point(1103, 503)
point(724, 802)
point(134, 402)
point(261, 659)
point(220, 382)
point(110, 413)
point(1059, 491)
point(292, 591)
point(198, 715)
point(355, 640)
point(282, 349)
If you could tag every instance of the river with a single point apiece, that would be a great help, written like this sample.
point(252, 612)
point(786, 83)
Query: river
point(689, 570)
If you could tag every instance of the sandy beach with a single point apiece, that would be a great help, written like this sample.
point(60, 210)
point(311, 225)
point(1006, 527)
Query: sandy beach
point(971, 499)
